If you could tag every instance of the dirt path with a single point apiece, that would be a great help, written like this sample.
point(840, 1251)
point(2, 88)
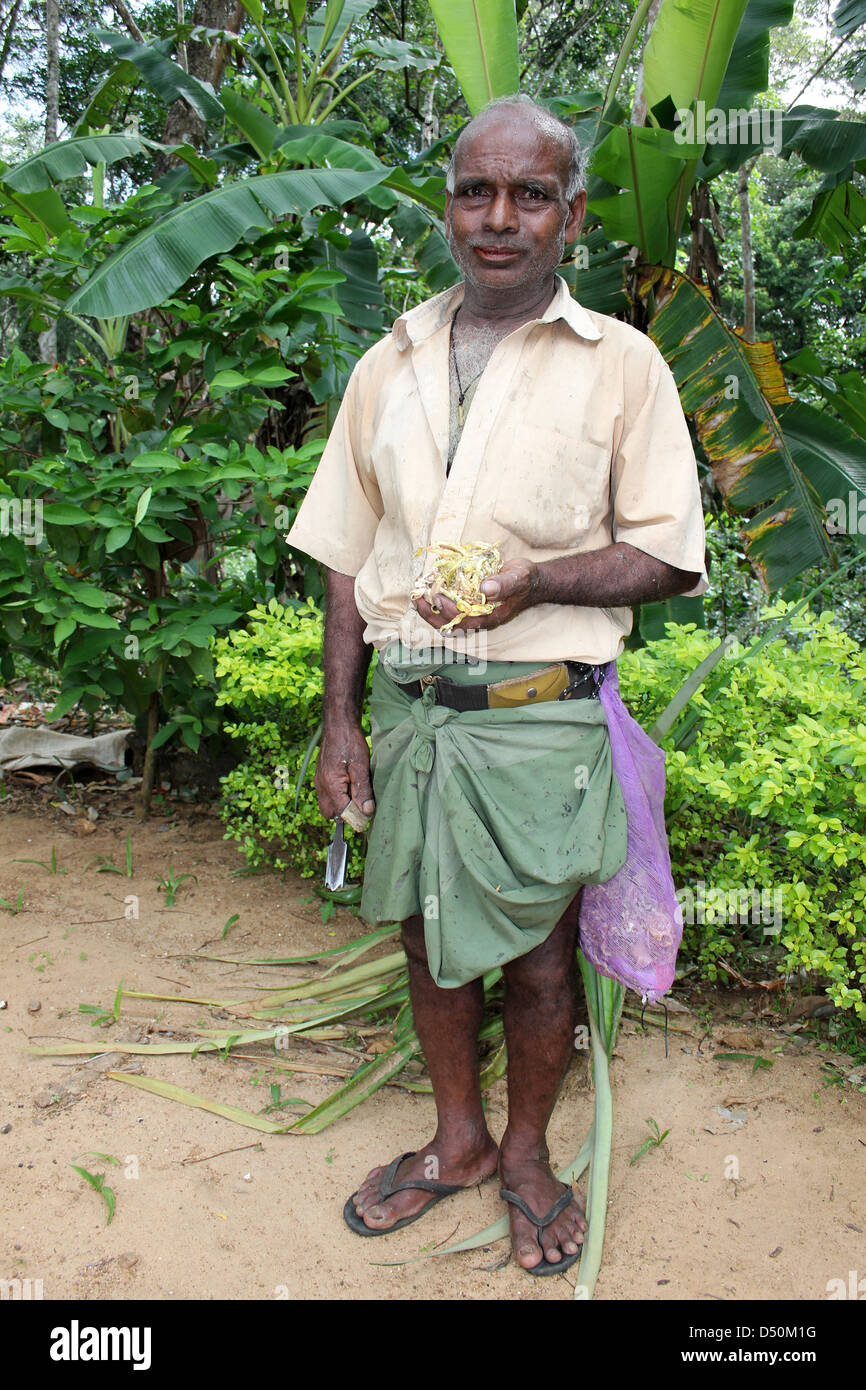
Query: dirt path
point(766, 1200)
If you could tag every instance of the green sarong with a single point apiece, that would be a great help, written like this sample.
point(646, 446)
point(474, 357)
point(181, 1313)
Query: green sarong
point(487, 822)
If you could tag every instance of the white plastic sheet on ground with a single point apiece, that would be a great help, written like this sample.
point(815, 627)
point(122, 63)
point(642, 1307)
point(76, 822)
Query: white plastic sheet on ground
point(21, 748)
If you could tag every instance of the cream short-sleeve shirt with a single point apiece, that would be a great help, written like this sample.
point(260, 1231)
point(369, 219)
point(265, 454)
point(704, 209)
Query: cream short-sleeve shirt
point(575, 438)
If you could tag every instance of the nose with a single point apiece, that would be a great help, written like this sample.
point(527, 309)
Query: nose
point(501, 213)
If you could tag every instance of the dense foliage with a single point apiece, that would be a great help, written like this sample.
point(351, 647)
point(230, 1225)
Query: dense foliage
point(766, 807)
point(270, 676)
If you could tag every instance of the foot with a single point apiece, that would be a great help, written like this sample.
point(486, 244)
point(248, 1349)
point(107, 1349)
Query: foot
point(466, 1168)
point(531, 1178)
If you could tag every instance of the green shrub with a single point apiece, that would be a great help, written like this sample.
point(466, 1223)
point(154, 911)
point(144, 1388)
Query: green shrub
point(766, 809)
point(271, 674)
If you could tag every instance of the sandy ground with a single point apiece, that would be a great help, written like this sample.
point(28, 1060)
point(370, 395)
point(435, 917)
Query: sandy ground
point(764, 1201)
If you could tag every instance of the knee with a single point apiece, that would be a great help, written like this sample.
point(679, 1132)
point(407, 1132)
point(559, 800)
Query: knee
point(542, 982)
point(412, 933)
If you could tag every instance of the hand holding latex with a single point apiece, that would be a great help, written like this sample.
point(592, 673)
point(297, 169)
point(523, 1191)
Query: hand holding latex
point(512, 589)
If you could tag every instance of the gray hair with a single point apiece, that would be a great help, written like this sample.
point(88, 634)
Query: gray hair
point(545, 121)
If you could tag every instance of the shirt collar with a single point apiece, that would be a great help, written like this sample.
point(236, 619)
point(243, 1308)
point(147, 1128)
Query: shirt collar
point(425, 320)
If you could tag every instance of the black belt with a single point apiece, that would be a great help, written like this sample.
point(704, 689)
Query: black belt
point(584, 683)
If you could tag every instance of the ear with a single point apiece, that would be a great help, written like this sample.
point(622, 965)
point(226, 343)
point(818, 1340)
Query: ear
point(448, 213)
point(577, 212)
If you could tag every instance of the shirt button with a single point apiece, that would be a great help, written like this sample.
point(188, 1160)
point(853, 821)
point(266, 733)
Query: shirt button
point(531, 692)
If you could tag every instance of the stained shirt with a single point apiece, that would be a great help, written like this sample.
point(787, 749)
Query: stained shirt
point(575, 439)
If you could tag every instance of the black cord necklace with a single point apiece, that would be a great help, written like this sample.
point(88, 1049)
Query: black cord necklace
point(461, 389)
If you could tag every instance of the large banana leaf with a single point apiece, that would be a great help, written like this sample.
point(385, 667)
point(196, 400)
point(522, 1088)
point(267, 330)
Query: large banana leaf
point(598, 279)
point(258, 127)
point(698, 51)
point(330, 24)
point(748, 70)
point(166, 77)
point(67, 159)
point(822, 140)
point(308, 144)
point(43, 209)
point(732, 390)
point(689, 49)
point(837, 214)
point(832, 455)
point(848, 16)
point(815, 133)
point(845, 392)
point(650, 165)
point(157, 262)
point(480, 39)
point(684, 62)
point(97, 113)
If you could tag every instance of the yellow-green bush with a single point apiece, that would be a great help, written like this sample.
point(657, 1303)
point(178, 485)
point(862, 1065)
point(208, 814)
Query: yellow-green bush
point(271, 675)
point(769, 796)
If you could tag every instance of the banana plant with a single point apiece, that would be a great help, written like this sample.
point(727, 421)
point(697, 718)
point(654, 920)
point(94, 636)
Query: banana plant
point(302, 74)
point(776, 460)
point(480, 39)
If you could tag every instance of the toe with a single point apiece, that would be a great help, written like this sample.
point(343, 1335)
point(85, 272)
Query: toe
point(525, 1244)
point(529, 1255)
point(552, 1252)
point(377, 1216)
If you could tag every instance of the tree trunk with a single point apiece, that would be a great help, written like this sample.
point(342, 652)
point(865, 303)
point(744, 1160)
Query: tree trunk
point(52, 55)
point(182, 125)
point(638, 110)
point(48, 338)
point(429, 118)
point(181, 45)
point(637, 312)
point(7, 37)
point(123, 11)
point(146, 789)
point(155, 583)
point(746, 243)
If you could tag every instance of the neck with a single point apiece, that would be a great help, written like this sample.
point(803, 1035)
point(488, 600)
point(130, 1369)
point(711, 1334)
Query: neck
point(489, 307)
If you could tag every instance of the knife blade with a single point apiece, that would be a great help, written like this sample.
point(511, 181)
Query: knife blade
point(335, 868)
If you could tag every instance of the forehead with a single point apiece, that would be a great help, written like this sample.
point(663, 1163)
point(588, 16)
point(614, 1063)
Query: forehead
point(510, 146)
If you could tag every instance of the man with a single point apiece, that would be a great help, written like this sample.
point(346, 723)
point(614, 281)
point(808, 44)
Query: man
point(500, 410)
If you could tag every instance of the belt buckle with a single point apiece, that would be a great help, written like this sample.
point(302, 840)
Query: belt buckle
point(424, 681)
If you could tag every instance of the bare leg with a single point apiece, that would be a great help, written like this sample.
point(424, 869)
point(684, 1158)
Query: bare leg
point(447, 1022)
point(540, 1002)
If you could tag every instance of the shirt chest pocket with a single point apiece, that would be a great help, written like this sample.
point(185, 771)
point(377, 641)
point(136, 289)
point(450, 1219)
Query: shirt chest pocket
point(553, 487)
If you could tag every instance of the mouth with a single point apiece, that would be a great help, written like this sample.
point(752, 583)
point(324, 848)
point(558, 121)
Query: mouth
point(496, 255)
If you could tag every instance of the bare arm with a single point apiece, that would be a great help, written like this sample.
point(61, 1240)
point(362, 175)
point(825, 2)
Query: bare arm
point(617, 576)
point(343, 768)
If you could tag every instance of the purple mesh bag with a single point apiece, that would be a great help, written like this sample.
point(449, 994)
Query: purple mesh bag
point(631, 926)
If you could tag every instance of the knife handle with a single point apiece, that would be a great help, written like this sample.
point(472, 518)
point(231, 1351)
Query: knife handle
point(354, 817)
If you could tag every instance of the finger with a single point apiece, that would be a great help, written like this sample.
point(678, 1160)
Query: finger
point(429, 615)
point(504, 585)
point(331, 782)
point(513, 580)
point(360, 787)
point(446, 606)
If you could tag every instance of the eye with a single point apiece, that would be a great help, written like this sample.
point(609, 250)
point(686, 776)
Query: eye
point(532, 195)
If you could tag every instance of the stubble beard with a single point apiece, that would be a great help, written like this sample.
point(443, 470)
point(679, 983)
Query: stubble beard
point(535, 270)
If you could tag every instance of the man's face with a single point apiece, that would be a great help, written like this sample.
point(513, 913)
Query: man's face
point(507, 219)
